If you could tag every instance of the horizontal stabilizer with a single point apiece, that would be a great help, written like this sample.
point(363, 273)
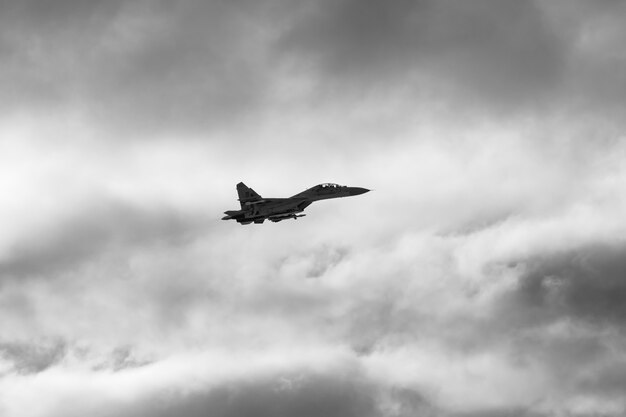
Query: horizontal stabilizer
point(231, 214)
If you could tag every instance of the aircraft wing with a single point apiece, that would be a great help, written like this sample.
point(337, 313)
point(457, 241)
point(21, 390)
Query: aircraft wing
point(256, 209)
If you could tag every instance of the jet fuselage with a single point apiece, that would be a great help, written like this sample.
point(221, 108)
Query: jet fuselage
point(256, 209)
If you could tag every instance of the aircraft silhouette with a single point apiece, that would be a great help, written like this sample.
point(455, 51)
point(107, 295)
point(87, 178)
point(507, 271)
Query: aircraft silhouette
point(256, 209)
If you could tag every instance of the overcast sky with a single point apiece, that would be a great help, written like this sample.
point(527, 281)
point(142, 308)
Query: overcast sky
point(485, 275)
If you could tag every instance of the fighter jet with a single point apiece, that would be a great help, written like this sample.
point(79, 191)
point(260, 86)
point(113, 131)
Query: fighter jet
point(256, 209)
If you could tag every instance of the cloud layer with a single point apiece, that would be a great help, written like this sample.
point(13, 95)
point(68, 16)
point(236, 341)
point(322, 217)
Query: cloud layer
point(483, 276)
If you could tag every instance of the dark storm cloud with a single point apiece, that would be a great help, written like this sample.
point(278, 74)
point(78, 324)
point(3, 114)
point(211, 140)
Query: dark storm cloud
point(27, 358)
point(500, 51)
point(546, 58)
point(582, 289)
point(95, 231)
point(566, 313)
point(501, 412)
point(192, 64)
point(200, 64)
point(310, 395)
point(137, 63)
point(32, 357)
point(608, 380)
point(291, 393)
point(587, 284)
point(595, 34)
point(43, 46)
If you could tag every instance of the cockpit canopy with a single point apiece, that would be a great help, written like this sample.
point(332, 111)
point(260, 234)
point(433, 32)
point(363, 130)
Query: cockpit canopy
point(330, 185)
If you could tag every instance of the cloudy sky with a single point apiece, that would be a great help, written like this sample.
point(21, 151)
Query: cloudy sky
point(485, 275)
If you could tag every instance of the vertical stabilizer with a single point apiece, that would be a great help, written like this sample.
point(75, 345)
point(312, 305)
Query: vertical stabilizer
point(246, 194)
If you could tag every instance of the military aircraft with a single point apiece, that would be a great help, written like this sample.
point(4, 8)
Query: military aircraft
point(256, 209)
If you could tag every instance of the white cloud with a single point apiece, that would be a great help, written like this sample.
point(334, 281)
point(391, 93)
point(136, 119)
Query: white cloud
point(487, 132)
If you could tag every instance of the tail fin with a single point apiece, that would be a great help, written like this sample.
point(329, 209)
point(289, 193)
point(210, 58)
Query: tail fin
point(246, 194)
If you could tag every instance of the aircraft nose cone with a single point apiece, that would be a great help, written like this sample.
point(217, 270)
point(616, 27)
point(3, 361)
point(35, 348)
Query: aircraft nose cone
point(358, 190)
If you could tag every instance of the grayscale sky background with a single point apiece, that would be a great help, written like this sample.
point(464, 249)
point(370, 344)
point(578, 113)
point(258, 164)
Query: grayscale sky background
point(485, 275)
